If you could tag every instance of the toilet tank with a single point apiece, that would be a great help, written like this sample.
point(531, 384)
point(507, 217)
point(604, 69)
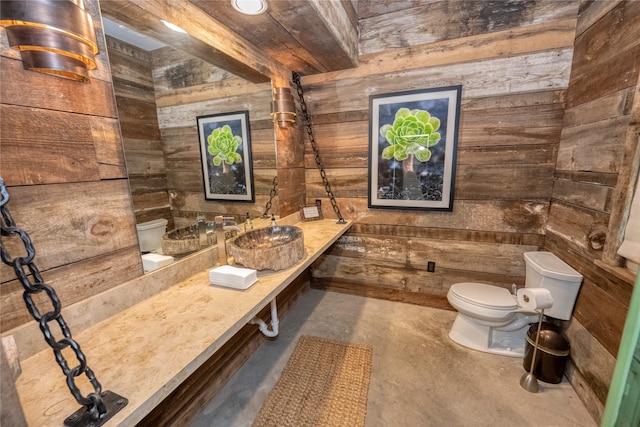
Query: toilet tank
point(150, 234)
point(545, 270)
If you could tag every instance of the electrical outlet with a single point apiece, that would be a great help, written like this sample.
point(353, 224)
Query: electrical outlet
point(431, 266)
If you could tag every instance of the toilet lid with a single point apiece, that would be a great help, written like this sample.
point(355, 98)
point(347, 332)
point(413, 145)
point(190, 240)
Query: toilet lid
point(483, 295)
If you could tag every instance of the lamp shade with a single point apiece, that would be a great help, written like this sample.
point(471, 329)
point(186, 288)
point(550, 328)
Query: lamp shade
point(54, 36)
point(283, 108)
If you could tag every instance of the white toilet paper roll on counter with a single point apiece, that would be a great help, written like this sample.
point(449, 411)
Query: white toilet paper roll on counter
point(534, 298)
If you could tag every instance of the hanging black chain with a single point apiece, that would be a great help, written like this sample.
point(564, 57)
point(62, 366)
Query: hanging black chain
point(272, 194)
point(98, 405)
point(316, 152)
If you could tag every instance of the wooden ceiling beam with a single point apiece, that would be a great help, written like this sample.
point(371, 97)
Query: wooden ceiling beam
point(205, 37)
point(307, 36)
point(339, 19)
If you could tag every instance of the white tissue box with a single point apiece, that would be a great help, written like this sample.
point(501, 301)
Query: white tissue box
point(152, 261)
point(233, 277)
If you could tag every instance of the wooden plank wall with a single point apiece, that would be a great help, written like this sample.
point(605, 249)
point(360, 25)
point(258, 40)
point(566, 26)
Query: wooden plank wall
point(136, 103)
point(187, 87)
point(596, 160)
point(514, 65)
point(63, 164)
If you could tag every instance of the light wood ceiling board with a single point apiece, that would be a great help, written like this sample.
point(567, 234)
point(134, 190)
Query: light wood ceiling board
point(207, 39)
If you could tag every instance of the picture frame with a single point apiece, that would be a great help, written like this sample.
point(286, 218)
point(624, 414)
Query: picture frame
point(225, 152)
point(416, 169)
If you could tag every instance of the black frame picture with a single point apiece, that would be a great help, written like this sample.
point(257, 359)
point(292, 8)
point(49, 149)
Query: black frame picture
point(225, 151)
point(413, 139)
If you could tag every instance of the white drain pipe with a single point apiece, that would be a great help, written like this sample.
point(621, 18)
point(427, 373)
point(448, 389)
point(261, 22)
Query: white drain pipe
point(274, 322)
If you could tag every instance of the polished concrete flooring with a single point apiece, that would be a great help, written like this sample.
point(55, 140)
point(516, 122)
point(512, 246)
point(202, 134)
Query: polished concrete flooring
point(419, 376)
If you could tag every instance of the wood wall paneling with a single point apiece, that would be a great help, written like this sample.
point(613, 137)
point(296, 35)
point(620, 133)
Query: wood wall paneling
point(593, 147)
point(93, 98)
point(28, 131)
point(143, 146)
point(95, 221)
point(72, 283)
point(609, 44)
point(621, 198)
point(592, 174)
point(63, 162)
point(530, 72)
point(386, 26)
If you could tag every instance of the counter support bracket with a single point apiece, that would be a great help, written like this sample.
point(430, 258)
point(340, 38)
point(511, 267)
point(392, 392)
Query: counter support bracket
point(84, 418)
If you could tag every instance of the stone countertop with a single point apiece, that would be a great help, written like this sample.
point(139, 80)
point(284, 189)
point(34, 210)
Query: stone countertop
point(144, 352)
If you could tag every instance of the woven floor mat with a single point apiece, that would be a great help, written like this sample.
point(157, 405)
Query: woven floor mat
point(324, 383)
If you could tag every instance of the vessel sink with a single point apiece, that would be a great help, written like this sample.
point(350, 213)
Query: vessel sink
point(183, 241)
point(270, 248)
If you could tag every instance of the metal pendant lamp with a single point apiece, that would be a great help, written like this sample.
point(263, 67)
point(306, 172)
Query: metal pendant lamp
point(283, 108)
point(54, 36)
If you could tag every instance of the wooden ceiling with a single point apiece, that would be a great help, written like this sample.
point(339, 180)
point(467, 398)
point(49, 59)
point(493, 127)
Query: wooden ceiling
point(306, 36)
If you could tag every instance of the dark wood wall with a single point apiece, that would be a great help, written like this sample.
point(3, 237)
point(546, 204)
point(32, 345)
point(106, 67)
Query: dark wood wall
point(138, 117)
point(63, 163)
point(597, 161)
point(514, 67)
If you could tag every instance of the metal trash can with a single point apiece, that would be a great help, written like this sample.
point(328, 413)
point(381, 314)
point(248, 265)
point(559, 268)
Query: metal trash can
point(553, 350)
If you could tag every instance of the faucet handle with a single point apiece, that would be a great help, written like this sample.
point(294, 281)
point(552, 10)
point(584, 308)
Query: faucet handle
point(220, 219)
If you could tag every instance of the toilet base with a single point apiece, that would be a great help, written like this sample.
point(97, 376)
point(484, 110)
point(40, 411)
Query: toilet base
point(470, 334)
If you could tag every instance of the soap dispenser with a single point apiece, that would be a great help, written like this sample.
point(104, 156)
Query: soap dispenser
point(248, 225)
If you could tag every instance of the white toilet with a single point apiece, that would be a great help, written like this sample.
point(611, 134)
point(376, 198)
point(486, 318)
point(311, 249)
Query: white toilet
point(489, 318)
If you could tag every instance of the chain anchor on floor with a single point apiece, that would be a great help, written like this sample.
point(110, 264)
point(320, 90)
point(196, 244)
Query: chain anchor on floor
point(99, 406)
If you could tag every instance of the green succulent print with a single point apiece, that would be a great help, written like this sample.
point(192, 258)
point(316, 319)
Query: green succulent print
point(222, 146)
point(412, 132)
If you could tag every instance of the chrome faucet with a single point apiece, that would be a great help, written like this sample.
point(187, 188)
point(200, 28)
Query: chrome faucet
point(222, 225)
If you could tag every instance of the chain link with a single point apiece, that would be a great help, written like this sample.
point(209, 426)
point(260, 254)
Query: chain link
point(33, 284)
point(316, 152)
point(272, 194)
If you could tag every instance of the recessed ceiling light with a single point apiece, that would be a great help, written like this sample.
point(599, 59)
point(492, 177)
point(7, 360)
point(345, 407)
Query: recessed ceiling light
point(174, 27)
point(250, 7)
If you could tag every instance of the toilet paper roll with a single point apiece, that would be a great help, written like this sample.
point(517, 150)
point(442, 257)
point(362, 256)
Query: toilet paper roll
point(534, 298)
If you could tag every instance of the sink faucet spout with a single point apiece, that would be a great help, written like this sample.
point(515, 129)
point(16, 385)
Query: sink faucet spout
point(202, 229)
point(223, 224)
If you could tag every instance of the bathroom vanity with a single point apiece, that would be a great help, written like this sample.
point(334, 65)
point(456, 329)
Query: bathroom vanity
point(144, 351)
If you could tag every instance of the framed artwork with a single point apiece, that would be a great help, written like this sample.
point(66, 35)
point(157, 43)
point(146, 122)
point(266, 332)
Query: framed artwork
point(225, 151)
point(413, 138)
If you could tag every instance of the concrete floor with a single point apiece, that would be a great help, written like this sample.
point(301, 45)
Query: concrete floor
point(419, 376)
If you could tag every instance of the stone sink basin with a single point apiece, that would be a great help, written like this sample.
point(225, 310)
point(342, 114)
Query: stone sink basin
point(270, 248)
point(183, 241)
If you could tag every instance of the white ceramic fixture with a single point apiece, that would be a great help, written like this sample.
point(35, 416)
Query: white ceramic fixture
point(150, 234)
point(491, 320)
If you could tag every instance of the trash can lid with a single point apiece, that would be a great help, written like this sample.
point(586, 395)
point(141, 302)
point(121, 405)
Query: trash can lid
point(551, 340)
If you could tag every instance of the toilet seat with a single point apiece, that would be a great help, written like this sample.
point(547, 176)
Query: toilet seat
point(486, 303)
point(485, 296)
